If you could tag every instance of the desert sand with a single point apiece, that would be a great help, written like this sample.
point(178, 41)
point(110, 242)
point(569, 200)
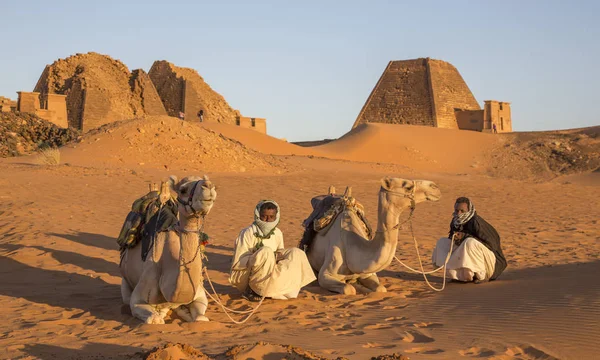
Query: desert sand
point(59, 277)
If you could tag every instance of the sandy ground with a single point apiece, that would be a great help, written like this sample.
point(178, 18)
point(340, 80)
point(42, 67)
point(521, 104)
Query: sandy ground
point(59, 280)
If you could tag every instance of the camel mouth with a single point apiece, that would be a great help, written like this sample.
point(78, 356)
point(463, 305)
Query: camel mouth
point(432, 197)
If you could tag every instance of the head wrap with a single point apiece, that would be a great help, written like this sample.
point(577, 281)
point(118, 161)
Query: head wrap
point(265, 228)
point(461, 219)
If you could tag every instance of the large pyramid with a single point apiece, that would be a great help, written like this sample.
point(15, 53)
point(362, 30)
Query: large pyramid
point(418, 92)
point(99, 90)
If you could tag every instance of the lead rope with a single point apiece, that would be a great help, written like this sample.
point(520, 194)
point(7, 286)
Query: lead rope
point(227, 310)
point(423, 272)
point(217, 299)
point(421, 262)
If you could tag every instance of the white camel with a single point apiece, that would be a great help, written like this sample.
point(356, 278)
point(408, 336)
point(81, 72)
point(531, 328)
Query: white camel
point(346, 258)
point(171, 276)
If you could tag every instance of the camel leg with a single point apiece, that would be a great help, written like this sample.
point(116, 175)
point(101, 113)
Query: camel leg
point(195, 310)
point(328, 275)
point(126, 291)
point(372, 283)
point(199, 305)
point(146, 289)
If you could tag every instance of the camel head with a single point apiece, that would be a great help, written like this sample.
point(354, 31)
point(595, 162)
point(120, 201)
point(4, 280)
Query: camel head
point(195, 195)
point(399, 194)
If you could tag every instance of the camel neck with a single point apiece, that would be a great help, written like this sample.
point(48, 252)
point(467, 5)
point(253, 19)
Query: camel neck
point(189, 224)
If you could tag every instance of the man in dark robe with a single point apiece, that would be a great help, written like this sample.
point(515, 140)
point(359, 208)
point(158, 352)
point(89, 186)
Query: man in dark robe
point(477, 254)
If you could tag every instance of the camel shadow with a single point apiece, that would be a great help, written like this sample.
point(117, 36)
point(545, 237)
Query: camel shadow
point(89, 351)
point(89, 239)
point(61, 289)
point(85, 262)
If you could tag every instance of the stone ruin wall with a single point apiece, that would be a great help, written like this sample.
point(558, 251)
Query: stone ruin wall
point(400, 97)
point(169, 87)
point(99, 90)
point(450, 92)
point(183, 89)
point(145, 97)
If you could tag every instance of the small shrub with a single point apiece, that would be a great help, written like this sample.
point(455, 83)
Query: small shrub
point(48, 156)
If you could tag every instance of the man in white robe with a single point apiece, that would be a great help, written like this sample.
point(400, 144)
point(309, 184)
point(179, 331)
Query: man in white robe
point(261, 266)
point(477, 254)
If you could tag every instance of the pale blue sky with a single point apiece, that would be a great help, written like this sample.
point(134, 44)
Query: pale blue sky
point(309, 66)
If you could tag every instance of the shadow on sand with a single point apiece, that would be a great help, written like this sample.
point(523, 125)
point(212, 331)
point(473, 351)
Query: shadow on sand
point(89, 239)
point(59, 288)
point(89, 351)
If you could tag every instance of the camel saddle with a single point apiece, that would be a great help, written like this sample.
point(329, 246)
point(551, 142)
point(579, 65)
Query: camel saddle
point(326, 209)
point(147, 218)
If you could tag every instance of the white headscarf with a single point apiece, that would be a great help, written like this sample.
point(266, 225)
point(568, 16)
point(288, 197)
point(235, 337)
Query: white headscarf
point(461, 219)
point(265, 228)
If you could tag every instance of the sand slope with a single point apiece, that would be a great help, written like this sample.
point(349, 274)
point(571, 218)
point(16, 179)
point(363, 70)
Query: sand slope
point(165, 142)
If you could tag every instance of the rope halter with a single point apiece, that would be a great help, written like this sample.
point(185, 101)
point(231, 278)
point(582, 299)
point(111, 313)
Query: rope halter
point(188, 204)
point(411, 197)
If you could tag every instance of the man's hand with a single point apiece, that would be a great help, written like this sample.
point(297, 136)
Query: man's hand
point(458, 237)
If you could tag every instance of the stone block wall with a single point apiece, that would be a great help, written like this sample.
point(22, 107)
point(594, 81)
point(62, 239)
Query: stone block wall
point(450, 92)
point(183, 89)
point(244, 122)
point(260, 125)
point(96, 109)
point(28, 102)
point(497, 112)
point(145, 96)
point(193, 103)
point(58, 105)
point(7, 105)
point(401, 96)
point(169, 86)
point(470, 119)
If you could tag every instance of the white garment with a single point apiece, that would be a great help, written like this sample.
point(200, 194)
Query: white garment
point(270, 271)
point(470, 260)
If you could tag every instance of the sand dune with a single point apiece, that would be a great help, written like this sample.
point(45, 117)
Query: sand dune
point(418, 147)
point(163, 141)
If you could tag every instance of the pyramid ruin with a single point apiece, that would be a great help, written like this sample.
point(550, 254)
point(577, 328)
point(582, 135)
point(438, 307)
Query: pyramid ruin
point(418, 92)
point(99, 90)
point(184, 90)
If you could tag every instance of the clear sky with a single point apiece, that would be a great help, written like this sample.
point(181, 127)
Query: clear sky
point(309, 66)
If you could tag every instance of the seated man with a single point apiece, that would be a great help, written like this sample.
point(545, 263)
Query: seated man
point(477, 255)
point(261, 266)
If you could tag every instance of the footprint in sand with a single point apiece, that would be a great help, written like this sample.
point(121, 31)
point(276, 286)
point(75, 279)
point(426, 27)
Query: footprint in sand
point(370, 345)
point(420, 350)
point(377, 327)
point(394, 307)
point(395, 318)
point(428, 325)
point(528, 353)
point(413, 336)
point(477, 352)
point(350, 333)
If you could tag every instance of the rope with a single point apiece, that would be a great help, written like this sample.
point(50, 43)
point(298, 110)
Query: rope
point(225, 309)
point(409, 220)
point(421, 262)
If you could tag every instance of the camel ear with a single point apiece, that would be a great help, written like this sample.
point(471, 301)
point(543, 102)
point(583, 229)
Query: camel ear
point(387, 182)
point(206, 178)
point(173, 183)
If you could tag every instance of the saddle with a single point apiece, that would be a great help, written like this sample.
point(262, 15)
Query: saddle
point(326, 208)
point(152, 213)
